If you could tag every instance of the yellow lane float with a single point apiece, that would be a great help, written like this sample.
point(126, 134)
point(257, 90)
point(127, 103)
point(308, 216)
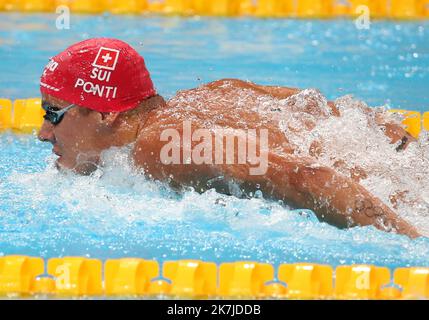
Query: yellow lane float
point(360, 281)
point(426, 121)
point(76, 276)
point(18, 274)
point(314, 8)
point(126, 277)
point(414, 281)
point(377, 8)
point(27, 115)
point(394, 9)
point(191, 278)
point(23, 276)
point(310, 281)
point(406, 9)
point(244, 279)
point(275, 8)
point(127, 7)
point(5, 114)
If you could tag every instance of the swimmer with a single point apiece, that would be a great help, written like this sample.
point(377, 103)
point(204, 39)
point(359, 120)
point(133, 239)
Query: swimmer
point(98, 94)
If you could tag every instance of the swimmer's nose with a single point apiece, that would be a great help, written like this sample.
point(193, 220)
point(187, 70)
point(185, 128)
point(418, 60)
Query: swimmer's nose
point(46, 133)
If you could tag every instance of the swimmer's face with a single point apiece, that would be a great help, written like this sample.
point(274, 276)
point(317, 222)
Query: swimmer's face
point(78, 139)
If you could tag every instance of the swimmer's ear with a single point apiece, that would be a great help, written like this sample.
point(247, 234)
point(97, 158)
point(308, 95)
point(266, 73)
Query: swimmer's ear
point(109, 118)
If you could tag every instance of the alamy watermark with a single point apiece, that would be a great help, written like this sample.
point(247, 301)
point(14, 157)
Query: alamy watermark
point(216, 146)
point(63, 20)
point(363, 21)
point(63, 279)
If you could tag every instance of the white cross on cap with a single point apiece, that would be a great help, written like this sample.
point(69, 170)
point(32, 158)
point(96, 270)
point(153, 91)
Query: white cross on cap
point(104, 57)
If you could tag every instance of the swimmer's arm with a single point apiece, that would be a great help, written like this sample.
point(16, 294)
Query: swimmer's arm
point(335, 199)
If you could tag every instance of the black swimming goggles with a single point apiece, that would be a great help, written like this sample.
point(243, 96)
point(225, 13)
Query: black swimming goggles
point(53, 114)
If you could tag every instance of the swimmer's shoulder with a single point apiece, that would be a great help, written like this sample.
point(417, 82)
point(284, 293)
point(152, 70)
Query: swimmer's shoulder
point(221, 92)
point(231, 84)
point(222, 85)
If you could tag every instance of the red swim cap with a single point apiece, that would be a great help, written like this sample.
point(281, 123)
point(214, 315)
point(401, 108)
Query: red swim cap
point(101, 74)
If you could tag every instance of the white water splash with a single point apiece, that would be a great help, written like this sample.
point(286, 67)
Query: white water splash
point(354, 142)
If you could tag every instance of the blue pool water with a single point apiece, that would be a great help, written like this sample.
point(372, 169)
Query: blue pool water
point(386, 64)
point(119, 213)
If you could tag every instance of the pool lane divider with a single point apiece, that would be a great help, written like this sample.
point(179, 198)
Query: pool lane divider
point(391, 9)
point(21, 115)
point(26, 116)
point(413, 121)
point(24, 276)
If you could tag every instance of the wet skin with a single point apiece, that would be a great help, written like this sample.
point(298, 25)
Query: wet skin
point(299, 181)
